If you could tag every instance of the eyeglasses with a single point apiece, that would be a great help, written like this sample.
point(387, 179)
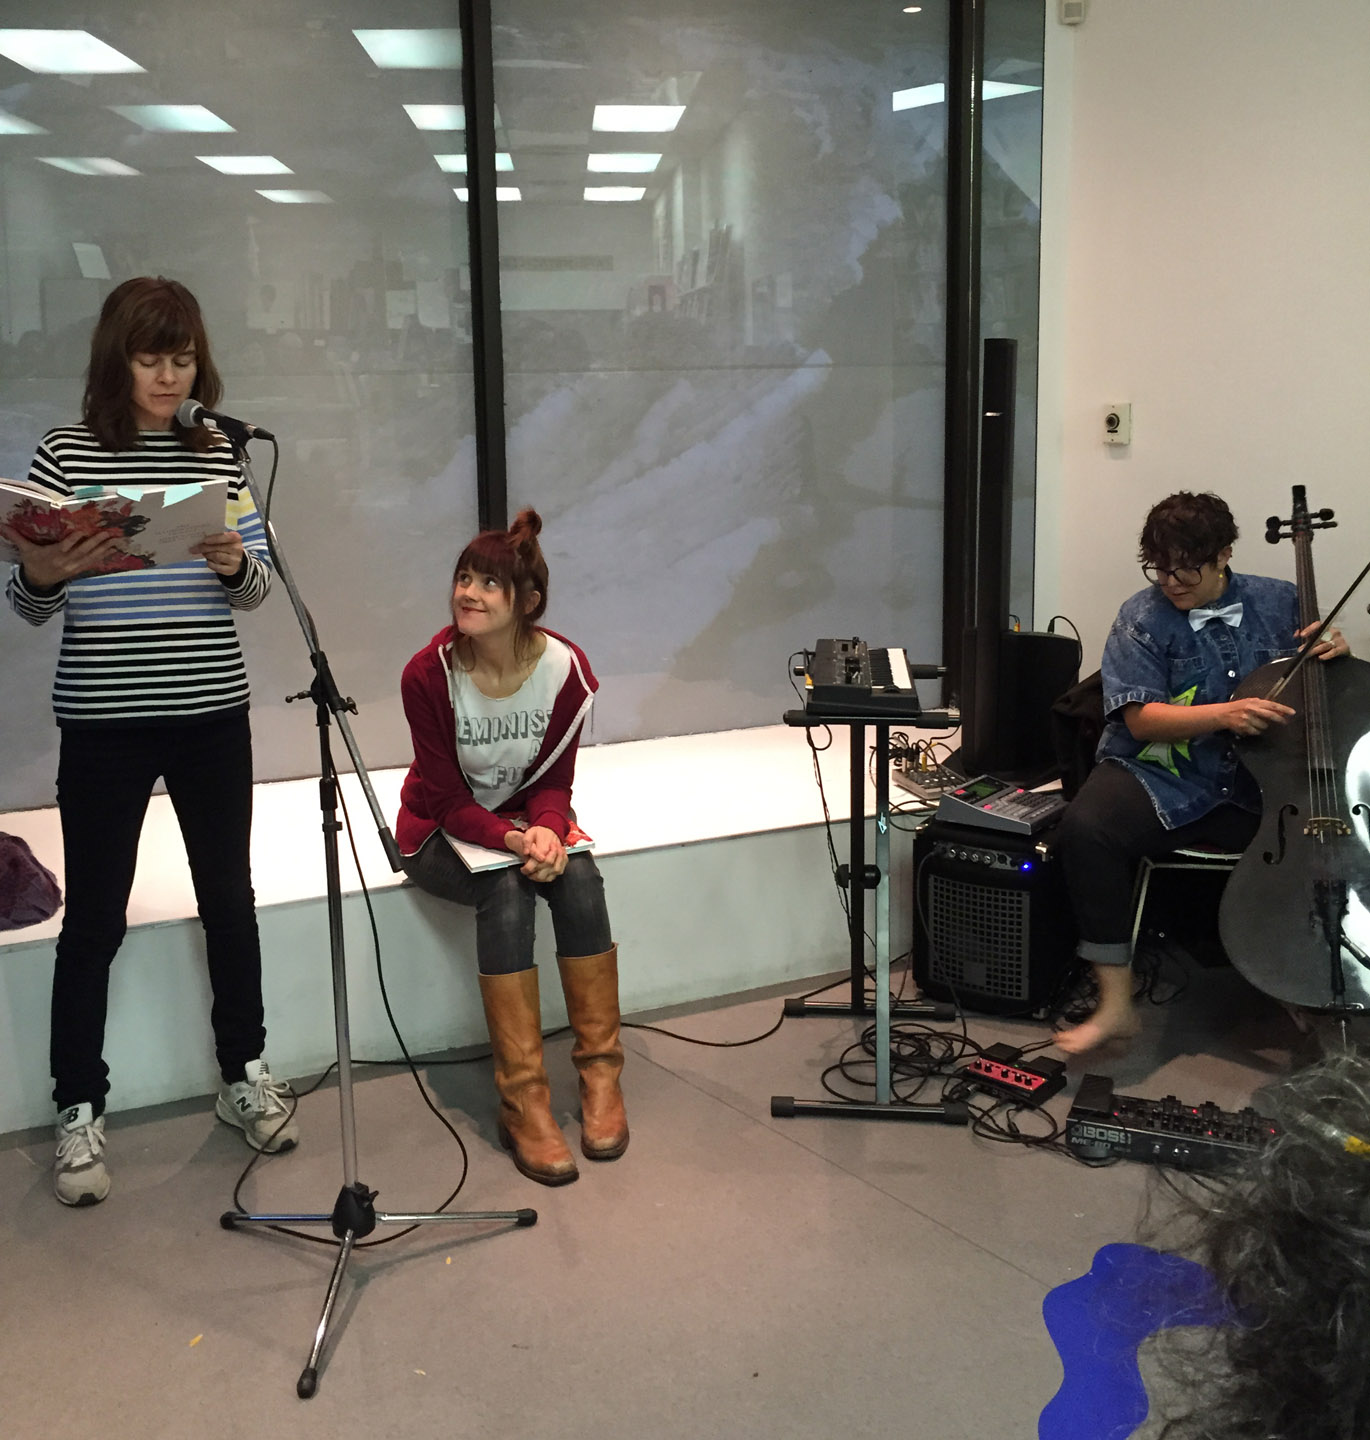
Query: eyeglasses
point(1186, 575)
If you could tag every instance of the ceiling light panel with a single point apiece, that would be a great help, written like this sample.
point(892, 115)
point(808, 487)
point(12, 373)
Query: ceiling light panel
point(412, 49)
point(623, 162)
point(17, 125)
point(91, 261)
point(64, 52)
point(997, 89)
point(246, 164)
point(615, 192)
point(437, 117)
point(296, 197)
point(920, 95)
point(637, 119)
point(88, 165)
point(456, 164)
point(186, 119)
point(936, 94)
point(502, 192)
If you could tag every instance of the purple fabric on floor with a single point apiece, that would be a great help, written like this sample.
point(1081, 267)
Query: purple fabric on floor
point(1099, 1321)
point(29, 891)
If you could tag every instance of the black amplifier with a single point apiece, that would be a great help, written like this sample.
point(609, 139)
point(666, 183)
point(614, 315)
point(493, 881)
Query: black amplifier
point(993, 929)
point(1102, 1125)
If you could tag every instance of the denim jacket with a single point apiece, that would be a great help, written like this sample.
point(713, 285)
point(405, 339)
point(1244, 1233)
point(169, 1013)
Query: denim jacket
point(1153, 654)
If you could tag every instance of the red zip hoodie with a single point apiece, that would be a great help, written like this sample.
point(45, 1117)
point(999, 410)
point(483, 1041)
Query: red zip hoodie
point(436, 795)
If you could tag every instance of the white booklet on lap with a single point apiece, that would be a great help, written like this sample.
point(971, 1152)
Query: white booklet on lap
point(479, 858)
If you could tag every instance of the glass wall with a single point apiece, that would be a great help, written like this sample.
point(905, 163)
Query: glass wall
point(268, 155)
point(722, 265)
point(1010, 246)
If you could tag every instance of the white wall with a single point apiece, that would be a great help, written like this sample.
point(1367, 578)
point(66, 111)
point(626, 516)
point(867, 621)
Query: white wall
point(1206, 228)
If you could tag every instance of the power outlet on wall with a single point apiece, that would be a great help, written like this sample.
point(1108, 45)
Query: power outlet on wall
point(1118, 424)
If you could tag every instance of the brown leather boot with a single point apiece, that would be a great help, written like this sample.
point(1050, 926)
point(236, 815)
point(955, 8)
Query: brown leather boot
point(591, 986)
point(526, 1127)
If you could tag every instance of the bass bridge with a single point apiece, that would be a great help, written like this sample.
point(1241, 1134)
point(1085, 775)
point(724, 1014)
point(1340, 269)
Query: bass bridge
point(1321, 826)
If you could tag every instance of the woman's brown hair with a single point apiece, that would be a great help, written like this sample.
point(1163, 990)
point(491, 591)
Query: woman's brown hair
point(147, 316)
point(515, 559)
point(1186, 529)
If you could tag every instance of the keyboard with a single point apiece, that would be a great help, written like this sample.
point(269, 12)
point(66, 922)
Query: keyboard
point(890, 670)
point(847, 677)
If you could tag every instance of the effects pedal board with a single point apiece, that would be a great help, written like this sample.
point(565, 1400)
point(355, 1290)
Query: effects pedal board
point(1102, 1125)
point(1002, 1072)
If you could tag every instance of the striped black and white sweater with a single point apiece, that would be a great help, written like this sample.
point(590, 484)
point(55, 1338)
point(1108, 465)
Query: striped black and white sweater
point(155, 647)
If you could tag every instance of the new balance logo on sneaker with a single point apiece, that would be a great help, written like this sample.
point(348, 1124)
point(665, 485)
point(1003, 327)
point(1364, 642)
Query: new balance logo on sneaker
point(262, 1108)
point(79, 1176)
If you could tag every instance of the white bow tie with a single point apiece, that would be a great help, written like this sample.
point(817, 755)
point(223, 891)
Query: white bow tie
point(1228, 614)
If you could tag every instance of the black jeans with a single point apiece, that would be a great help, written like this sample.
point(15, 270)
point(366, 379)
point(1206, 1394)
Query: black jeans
point(104, 781)
point(1106, 830)
point(505, 902)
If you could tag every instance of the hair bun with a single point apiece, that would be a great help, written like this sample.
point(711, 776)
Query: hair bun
point(526, 528)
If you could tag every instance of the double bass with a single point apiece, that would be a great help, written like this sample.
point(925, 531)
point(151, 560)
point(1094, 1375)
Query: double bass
point(1295, 915)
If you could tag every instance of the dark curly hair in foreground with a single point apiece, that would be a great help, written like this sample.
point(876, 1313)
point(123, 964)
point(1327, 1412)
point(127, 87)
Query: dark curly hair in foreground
point(1289, 1242)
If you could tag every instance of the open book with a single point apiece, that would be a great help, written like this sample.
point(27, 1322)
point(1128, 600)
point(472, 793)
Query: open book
point(478, 858)
point(156, 524)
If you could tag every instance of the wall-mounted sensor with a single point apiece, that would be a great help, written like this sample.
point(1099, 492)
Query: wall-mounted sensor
point(1118, 424)
point(1071, 12)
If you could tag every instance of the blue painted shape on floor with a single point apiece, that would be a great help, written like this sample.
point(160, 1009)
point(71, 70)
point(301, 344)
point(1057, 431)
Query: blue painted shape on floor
point(1099, 1321)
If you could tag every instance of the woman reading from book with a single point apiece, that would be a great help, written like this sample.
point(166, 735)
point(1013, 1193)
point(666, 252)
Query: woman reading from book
point(495, 705)
point(150, 682)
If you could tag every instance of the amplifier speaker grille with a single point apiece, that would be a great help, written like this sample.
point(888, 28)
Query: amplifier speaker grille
point(992, 925)
point(979, 938)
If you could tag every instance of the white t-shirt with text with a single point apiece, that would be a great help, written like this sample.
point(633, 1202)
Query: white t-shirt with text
point(498, 740)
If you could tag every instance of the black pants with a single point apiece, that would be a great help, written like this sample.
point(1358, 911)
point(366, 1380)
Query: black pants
point(1106, 830)
point(104, 781)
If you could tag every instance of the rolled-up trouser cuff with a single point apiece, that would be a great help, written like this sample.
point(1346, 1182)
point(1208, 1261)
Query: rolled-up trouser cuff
point(1105, 952)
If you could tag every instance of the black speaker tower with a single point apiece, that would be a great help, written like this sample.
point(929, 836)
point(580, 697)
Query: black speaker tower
point(1009, 678)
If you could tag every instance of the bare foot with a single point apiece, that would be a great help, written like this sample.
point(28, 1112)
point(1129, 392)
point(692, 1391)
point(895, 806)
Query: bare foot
point(1098, 1030)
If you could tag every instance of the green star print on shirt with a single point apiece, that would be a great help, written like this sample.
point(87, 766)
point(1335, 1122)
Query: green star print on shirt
point(1163, 752)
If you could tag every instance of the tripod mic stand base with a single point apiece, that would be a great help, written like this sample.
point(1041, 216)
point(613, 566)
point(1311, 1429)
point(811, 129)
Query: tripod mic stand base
point(353, 1217)
point(949, 1112)
point(899, 1010)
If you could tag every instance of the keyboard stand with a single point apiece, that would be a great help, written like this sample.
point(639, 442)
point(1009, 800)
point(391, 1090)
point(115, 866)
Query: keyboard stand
point(859, 879)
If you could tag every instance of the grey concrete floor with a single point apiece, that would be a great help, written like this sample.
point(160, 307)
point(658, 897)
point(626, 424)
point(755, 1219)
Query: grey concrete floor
point(733, 1274)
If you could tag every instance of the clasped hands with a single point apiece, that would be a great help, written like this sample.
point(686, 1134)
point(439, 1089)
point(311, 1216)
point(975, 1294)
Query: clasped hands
point(1254, 714)
point(54, 564)
point(543, 854)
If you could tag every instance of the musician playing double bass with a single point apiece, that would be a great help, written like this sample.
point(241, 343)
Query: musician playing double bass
point(1168, 775)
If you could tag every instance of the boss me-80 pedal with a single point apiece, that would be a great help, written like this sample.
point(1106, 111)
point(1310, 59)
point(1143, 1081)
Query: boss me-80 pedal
point(1102, 1126)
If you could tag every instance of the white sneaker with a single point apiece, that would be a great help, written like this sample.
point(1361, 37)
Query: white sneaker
point(262, 1108)
point(79, 1176)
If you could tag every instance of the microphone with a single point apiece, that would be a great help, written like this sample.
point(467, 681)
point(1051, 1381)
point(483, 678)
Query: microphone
point(191, 413)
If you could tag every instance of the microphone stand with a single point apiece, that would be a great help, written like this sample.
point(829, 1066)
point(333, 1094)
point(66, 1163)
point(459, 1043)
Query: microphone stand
point(354, 1215)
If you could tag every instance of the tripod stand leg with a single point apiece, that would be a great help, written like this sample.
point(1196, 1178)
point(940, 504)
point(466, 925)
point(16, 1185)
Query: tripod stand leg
point(309, 1376)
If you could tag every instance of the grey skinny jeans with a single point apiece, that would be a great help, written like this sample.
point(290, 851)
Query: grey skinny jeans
point(505, 902)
